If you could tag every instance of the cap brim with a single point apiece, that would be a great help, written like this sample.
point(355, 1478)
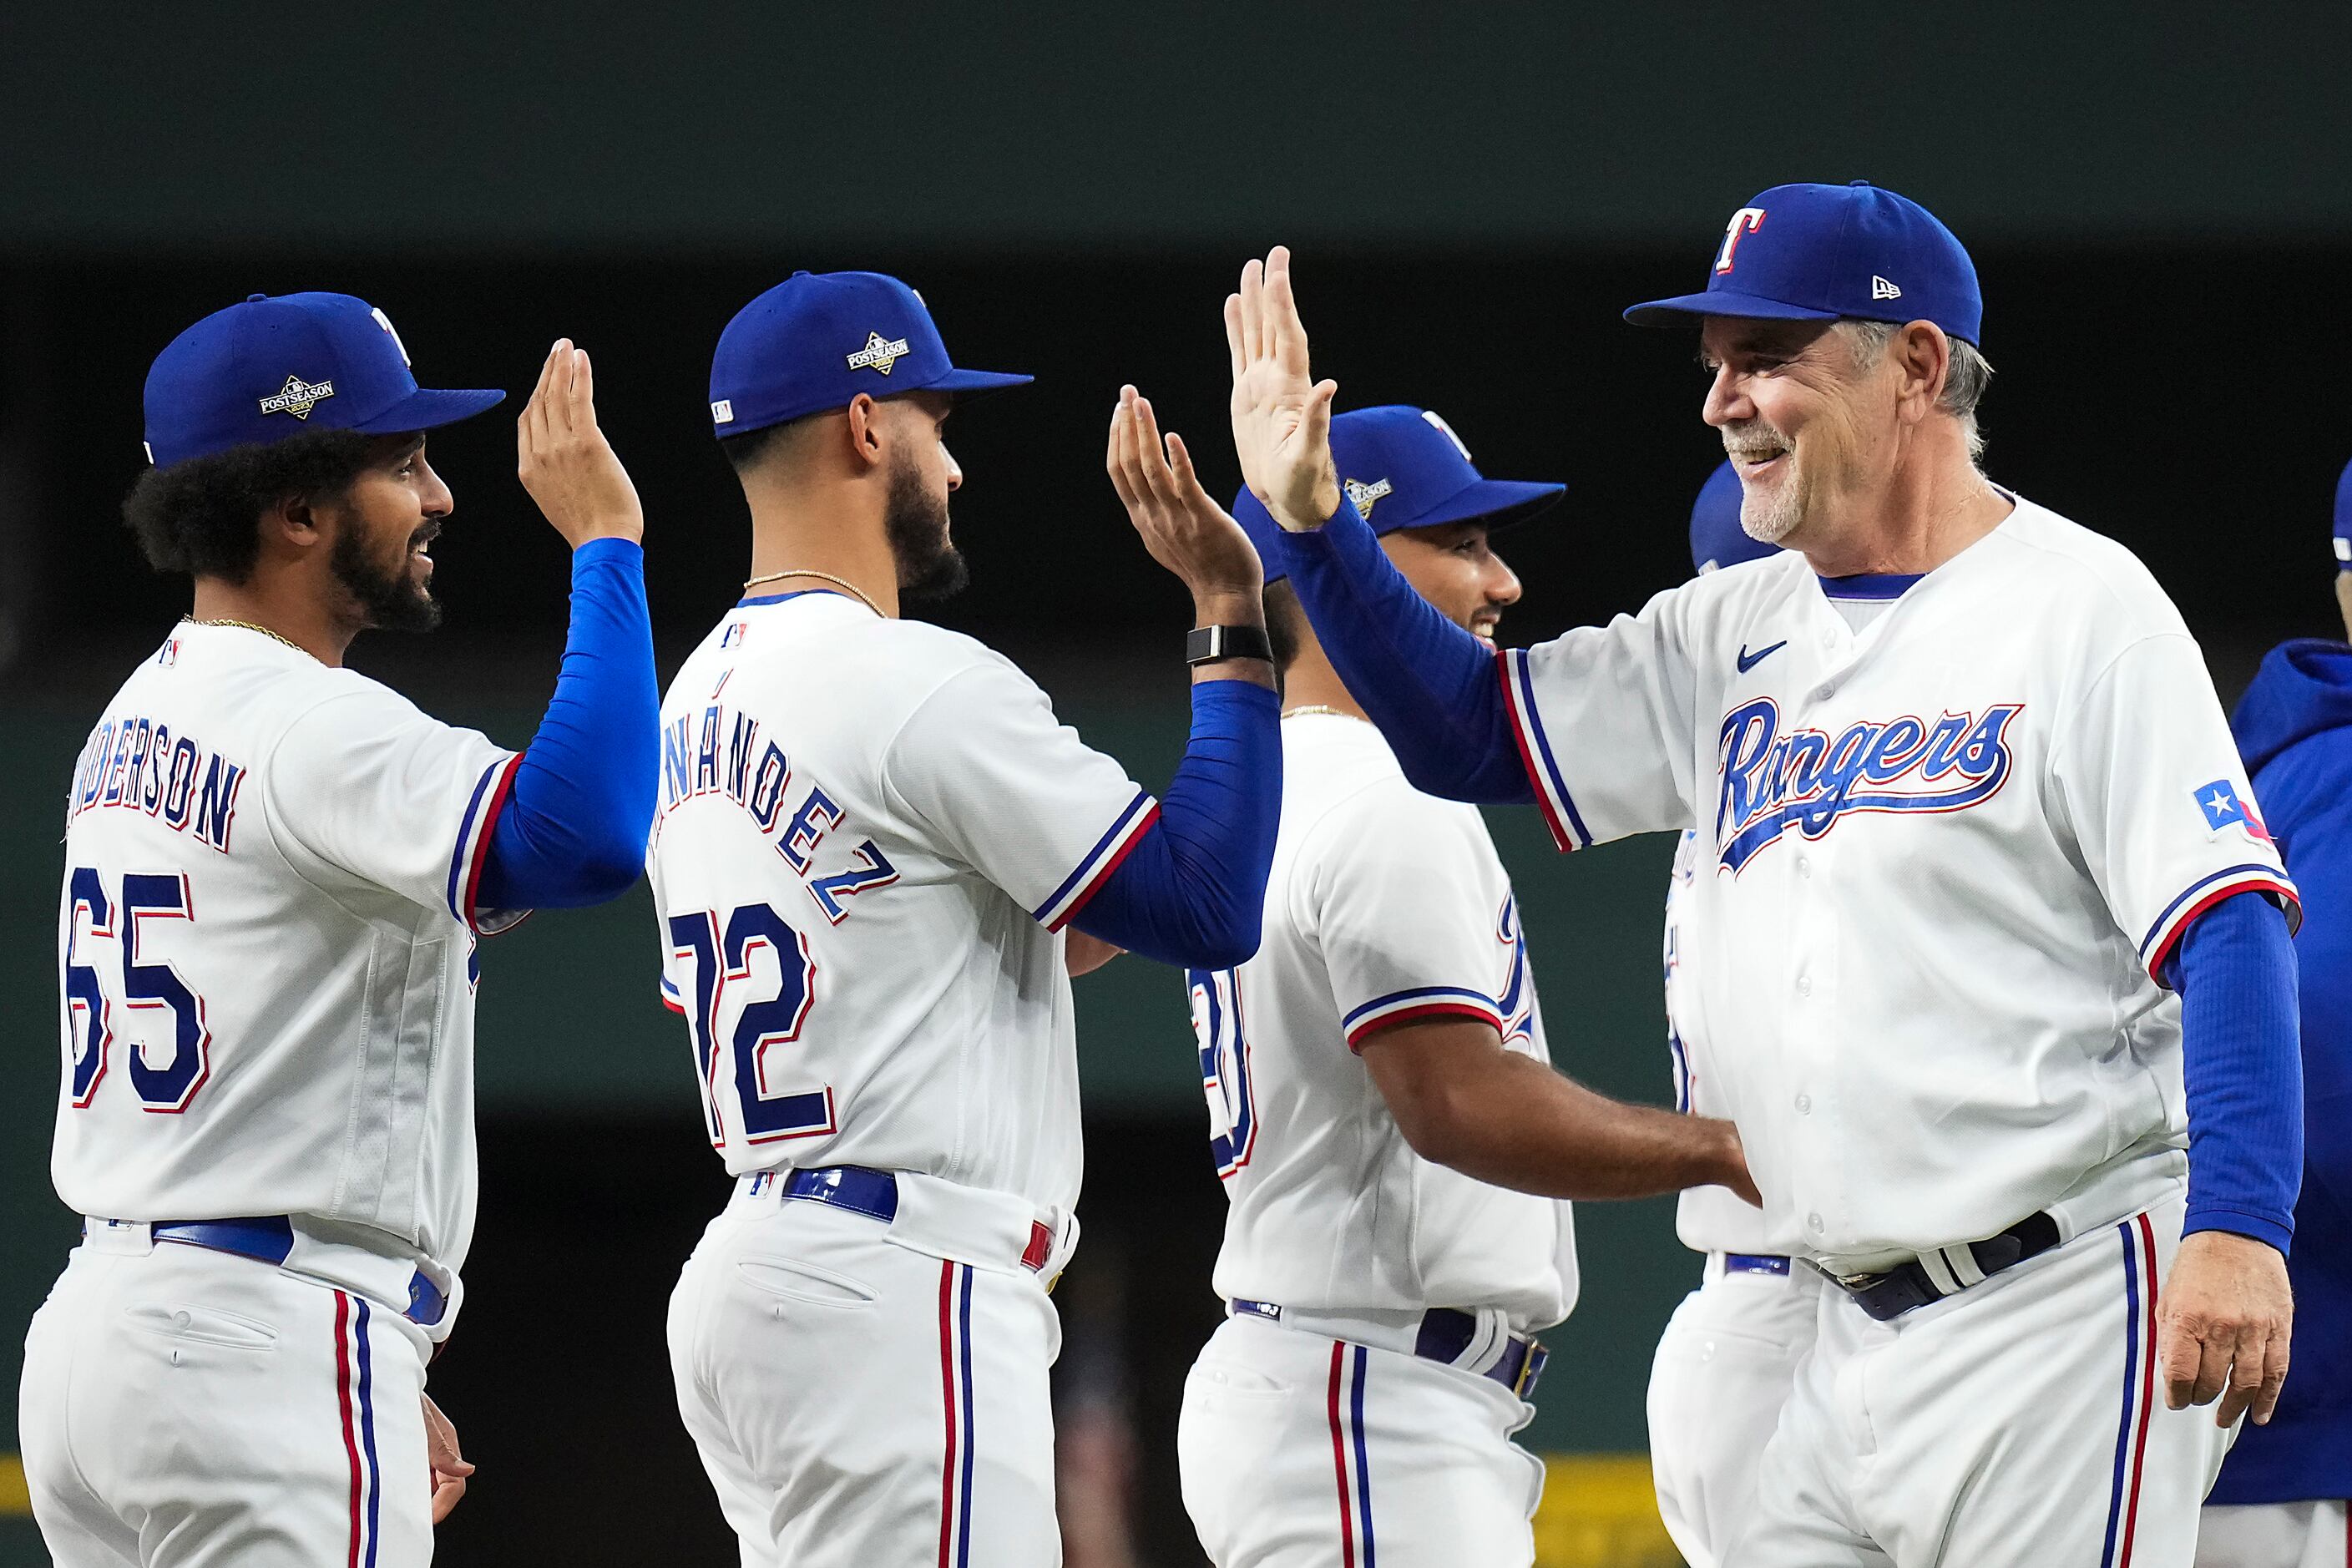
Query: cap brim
point(1497, 503)
point(427, 409)
point(971, 383)
point(1682, 310)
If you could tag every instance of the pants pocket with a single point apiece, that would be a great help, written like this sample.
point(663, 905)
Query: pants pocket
point(797, 1279)
point(195, 1322)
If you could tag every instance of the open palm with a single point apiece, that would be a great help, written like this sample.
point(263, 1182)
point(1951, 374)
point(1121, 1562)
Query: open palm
point(1282, 416)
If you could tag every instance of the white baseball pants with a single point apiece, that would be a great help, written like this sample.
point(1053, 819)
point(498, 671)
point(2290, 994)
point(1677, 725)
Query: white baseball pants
point(186, 1408)
point(1723, 1370)
point(859, 1403)
point(2020, 1422)
point(1299, 1451)
point(2275, 1535)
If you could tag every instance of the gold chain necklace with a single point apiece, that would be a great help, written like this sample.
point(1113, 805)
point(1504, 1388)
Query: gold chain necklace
point(252, 626)
point(1319, 708)
point(820, 576)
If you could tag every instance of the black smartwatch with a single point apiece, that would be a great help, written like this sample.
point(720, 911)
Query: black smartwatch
point(1207, 645)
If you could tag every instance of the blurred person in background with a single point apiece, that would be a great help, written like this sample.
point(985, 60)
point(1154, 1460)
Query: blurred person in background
point(1728, 1357)
point(2280, 1502)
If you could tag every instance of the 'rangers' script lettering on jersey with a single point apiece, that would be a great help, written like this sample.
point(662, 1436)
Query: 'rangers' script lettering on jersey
point(1807, 780)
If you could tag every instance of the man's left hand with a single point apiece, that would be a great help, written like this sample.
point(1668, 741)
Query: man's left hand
point(2222, 1326)
point(449, 1466)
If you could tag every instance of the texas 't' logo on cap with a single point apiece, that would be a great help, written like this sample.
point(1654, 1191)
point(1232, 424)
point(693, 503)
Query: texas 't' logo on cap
point(297, 397)
point(1362, 496)
point(879, 353)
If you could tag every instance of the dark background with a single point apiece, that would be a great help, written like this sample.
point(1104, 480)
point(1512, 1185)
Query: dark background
point(2158, 198)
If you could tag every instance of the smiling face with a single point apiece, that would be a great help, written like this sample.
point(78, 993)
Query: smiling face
point(385, 524)
point(1454, 568)
point(1809, 427)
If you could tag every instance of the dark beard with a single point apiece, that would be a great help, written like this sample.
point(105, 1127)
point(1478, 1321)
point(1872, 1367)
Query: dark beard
point(929, 565)
point(389, 603)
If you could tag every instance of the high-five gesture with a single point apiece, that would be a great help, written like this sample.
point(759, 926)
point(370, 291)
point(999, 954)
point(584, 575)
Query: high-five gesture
point(1282, 416)
point(1185, 529)
point(565, 462)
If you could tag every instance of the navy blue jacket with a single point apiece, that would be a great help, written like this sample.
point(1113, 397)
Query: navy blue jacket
point(2295, 729)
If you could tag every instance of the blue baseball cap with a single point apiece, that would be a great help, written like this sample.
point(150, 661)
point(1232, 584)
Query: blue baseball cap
point(2343, 519)
point(1404, 467)
point(1821, 253)
point(1717, 540)
point(818, 338)
point(271, 369)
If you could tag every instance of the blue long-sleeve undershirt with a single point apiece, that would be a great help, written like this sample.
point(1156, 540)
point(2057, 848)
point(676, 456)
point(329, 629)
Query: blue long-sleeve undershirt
point(1192, 892)
point(573, 828)
point(1430, 686)
point(2241, 1054)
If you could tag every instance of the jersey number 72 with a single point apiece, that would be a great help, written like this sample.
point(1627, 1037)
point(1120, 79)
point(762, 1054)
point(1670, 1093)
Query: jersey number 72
point(720, 953)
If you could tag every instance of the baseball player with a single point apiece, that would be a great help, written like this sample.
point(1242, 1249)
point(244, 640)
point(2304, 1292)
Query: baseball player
point(1728, 1356)
point(1997, 982)
point(2280, 1502)
point(276, 871)
point(871, 843)
point(1384, 1115)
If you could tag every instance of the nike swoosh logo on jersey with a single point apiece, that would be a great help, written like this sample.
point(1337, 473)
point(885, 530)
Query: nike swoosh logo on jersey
point(1748, 661)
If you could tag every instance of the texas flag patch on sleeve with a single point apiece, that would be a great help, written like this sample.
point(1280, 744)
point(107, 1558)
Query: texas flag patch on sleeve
point(2223, 807)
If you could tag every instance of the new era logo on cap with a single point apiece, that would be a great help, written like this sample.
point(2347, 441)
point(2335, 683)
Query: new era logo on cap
point(1880, 288)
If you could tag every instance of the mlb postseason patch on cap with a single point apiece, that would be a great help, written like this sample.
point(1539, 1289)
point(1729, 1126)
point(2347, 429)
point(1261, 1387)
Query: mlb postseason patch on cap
point(815, 340)
point(1401, 466)
point(1820, 253)
point(273, 368)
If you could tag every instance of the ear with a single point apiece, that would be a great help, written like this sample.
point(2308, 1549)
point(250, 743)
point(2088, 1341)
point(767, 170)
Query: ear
point(1923, 357)
point(293, 525)
point(865, 436)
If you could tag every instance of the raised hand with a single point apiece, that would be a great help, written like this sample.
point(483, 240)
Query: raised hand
point(565, 460)
point(1185, 531)
point(1282, 416)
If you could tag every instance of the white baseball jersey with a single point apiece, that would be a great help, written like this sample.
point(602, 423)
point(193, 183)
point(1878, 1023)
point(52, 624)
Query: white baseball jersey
point(1707, 1219)
point(1383, 904)
point(869, 834)
point(1945, 857)
point(266, 938)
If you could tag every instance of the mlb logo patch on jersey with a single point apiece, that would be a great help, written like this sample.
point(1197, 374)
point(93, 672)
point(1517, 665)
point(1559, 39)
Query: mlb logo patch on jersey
point(733, 635)
point(2222, 806)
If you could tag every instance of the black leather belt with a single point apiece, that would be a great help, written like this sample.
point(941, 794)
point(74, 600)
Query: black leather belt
point(1947, 1270)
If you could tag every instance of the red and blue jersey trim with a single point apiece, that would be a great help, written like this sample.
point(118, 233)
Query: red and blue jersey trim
point(474, 830)
point(1099, 862)
point(1558, 808)
point(2158, 946)
point(1418, 1002)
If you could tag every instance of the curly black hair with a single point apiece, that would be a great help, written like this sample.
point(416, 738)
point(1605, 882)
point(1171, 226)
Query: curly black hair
point(204, 516)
